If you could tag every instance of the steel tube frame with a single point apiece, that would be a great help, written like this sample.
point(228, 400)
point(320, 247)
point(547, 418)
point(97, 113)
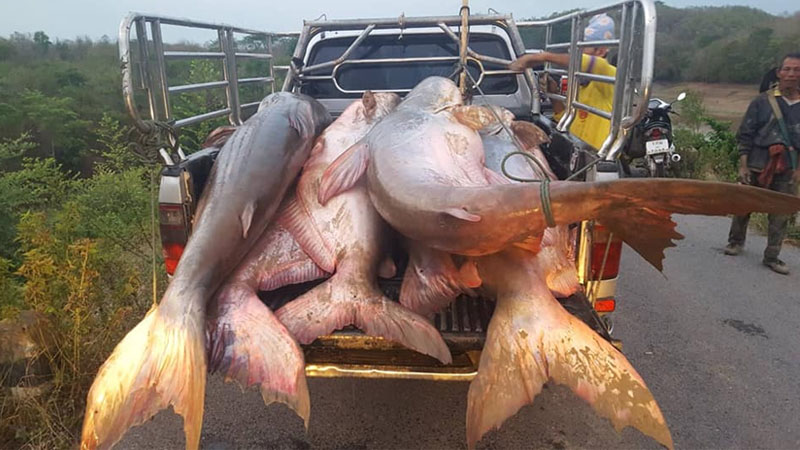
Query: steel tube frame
point(295, 71)
point(193, 55)
point(592, 109)
point(471, 52)
point(197, 86)
point(344, 56)
point(160, 108)
point(623, 116)
point(406, 22)
point(158, 48)
point(312, 28)
point(594, 77)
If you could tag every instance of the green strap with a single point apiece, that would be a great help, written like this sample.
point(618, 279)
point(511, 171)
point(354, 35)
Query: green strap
point(547, 210)
point(776, 110)
point(544, 185)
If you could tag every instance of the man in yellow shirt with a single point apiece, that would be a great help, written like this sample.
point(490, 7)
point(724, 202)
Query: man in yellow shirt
point(589, 127)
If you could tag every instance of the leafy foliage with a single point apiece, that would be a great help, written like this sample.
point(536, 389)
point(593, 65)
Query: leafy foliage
point(711, 44)
point(708, 147)
point(79, 250)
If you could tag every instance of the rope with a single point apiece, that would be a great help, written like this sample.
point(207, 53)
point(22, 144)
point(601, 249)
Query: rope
point(544, 182)
point(158, 135)
point(544, 186)
point(153, 235)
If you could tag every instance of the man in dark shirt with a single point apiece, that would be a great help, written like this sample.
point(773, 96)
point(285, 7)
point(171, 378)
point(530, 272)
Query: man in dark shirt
point(767, 160)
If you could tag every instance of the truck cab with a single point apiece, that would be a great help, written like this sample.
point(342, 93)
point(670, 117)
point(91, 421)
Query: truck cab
point(336, 61)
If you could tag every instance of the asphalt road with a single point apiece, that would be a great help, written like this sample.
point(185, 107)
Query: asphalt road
point(716, 338)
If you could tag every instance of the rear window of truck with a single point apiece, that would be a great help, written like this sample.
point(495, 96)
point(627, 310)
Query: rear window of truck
point(396, 75)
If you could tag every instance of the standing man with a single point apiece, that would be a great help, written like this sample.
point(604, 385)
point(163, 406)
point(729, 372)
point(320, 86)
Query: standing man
point(769, 138)
point(589, 127)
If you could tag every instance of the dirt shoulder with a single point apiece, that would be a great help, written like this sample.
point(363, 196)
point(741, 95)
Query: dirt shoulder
point(723, 101)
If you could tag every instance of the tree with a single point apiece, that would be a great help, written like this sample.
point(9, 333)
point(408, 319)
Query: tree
point(42, 42)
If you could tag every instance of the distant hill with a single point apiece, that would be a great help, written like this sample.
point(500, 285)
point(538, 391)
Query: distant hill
point(733, 44)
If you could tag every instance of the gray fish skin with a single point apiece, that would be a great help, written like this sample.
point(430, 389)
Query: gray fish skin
point(162, 361)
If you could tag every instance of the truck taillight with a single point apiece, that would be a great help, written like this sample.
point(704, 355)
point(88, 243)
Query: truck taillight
point(173, 225)
point(605, 254)
point(172, 254)
point(605, 305)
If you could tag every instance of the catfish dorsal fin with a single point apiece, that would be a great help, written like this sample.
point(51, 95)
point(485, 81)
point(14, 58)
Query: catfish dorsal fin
point(529, 134)
point(343, 173)
point(247, 218)
point(370, 104)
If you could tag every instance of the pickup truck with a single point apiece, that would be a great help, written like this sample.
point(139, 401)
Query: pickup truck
point(336, 61)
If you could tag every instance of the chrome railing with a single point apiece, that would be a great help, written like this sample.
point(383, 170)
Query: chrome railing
point(632, 83)
point(634, 78)
point(299, 73)
point(152, 74)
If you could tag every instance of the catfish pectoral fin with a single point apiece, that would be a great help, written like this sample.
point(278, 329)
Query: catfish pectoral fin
point(344, 172)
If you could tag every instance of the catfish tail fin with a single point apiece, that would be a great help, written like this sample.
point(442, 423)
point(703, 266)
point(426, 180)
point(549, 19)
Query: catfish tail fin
point(339, 302)
point(532, 339)
point(157, 364)
point(249, 345)
point(432, 280)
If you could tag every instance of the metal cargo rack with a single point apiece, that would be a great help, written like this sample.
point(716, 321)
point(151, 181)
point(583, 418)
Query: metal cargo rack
point(636, 44)
point(151, 76)
point(298, 73)
point(632, 84)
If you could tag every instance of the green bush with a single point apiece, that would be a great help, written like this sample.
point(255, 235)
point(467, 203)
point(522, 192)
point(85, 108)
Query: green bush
point(707, 146)
point(82, 255)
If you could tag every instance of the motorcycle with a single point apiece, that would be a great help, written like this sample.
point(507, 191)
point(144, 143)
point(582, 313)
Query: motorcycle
point(652, 139)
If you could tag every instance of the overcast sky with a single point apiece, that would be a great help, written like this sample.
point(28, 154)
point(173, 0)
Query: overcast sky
point(67, 19)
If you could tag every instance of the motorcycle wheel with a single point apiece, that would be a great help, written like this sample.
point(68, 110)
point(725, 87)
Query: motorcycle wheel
point(660, 170)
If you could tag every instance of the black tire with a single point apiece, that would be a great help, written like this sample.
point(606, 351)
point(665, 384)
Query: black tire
point(661, 171)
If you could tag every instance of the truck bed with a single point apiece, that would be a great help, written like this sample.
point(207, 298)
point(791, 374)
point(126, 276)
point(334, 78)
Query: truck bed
point(463, 326)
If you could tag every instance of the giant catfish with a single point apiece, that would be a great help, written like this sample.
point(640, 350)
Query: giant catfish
point(162, 361)
point(408, 159)
point(347, 236)
point(246, 342)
